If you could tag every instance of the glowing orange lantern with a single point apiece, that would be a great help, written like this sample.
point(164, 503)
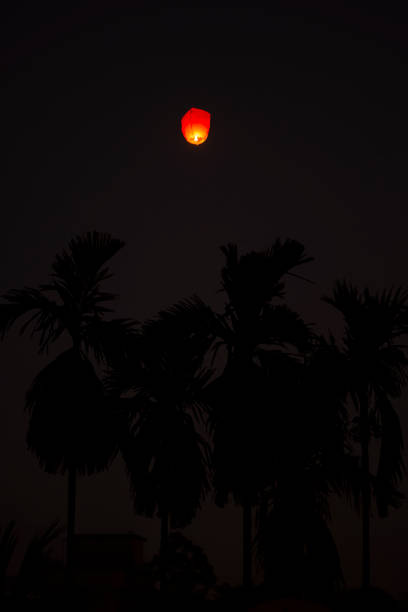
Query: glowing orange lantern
point(195, 126)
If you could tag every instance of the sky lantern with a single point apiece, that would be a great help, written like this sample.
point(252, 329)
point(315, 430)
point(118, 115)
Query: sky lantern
point(195, 125)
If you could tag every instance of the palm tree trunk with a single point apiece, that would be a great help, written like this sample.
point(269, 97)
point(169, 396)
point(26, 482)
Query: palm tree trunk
point(71, 498)
point(164, 542)
point(365, 491)
point(247, 545)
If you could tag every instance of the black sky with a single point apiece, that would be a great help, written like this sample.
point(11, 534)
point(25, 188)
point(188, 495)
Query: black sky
point(308, 140)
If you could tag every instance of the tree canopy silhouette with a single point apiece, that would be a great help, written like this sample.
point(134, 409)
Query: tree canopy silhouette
point(375, 373)
point(71, 427)
point(309, 460)
point(166, 454)
point(258, 331)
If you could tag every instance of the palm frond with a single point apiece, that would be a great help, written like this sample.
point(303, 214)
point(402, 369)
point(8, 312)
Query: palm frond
point(81, 265)
point(391, 468)
point(110, 341)
point(254, 279)
point(189, 318)
point(280, 325)
point(78, 272)
point(344, 298)
point(175, 345)
point(44, 316)
point(288, 255)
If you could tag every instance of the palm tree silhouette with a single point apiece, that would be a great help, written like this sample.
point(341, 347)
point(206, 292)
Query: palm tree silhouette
point(71, 426)
point(255, 327)
point(375, 373)
point(166, 456)
point(309, 459)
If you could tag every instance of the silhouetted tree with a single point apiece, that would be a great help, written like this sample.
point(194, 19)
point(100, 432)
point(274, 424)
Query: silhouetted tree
point(166, 456)
point(375, 373)
point(255, 328)
point(188, 573)
point(310, 458)
point(71, 426)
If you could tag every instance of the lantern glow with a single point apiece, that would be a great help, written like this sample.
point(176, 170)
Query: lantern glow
point(195, 125)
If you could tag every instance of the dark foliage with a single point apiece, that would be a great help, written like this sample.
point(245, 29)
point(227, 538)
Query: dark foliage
point(189, 573)
point(166, 456)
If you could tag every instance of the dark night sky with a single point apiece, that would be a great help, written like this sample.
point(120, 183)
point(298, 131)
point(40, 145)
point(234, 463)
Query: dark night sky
point(308, 141)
